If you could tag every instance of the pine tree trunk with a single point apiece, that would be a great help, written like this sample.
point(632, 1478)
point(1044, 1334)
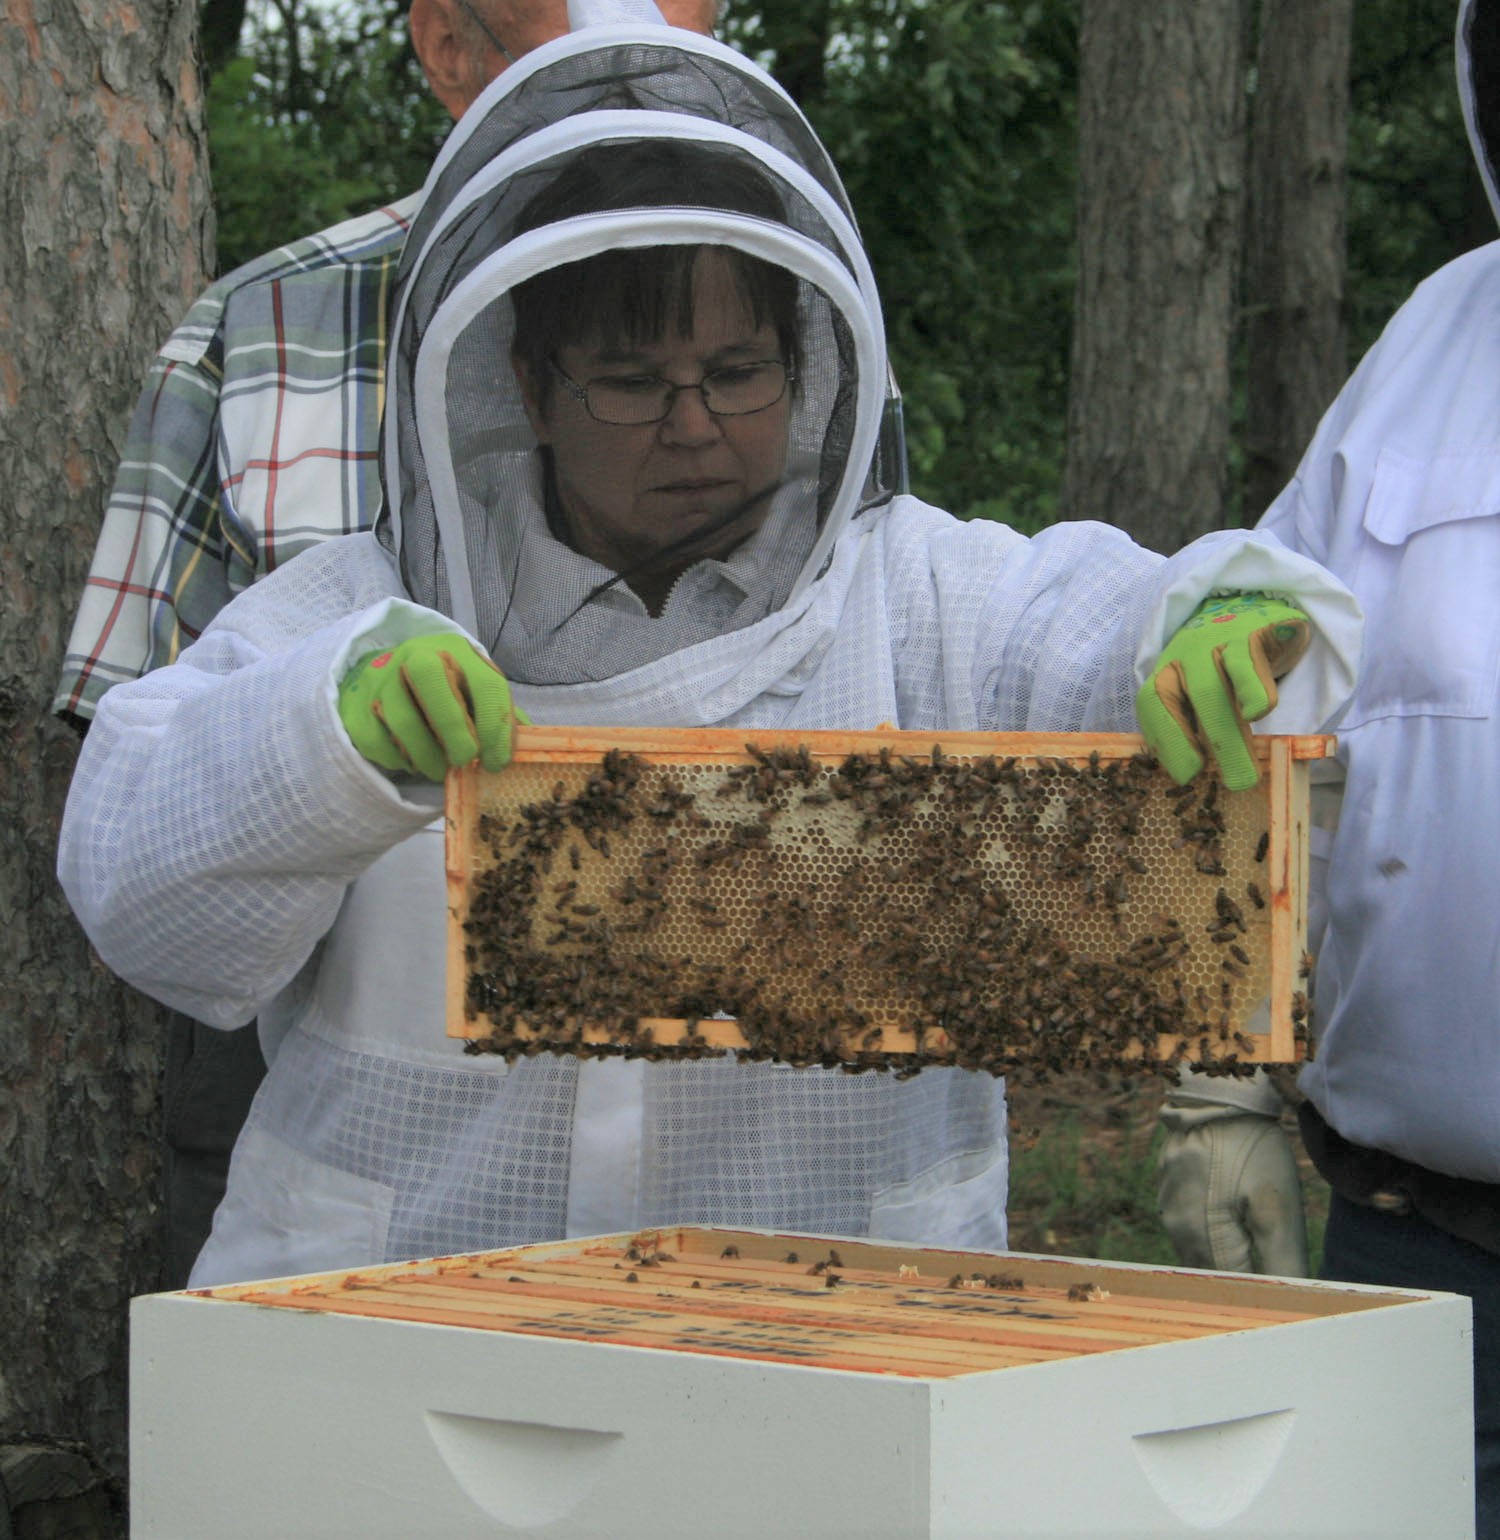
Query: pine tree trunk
point(1161, 157)
point(105, 241)
point(1294, 238)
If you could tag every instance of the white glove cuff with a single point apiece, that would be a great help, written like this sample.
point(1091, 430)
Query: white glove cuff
point(1223, 1096)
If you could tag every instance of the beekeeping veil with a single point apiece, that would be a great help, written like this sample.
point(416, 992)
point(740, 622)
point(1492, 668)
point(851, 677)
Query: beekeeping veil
point(1478, 63)
point(625, 142)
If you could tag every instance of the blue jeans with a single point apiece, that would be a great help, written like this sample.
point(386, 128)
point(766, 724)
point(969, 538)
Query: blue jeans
point(1364, 1245)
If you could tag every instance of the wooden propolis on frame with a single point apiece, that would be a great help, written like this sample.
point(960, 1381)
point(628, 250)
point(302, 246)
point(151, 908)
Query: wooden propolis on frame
point(878, 900)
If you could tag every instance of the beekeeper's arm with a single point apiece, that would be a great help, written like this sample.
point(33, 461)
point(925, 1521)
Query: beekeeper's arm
point(1228, 1191)
point(220, 806)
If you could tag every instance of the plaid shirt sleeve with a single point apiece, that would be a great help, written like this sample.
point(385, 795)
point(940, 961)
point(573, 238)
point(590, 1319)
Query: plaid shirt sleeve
point(161, 529)
point(255, 437)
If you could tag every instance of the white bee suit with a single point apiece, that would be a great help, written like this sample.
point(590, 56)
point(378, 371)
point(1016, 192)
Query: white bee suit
point(231, 853)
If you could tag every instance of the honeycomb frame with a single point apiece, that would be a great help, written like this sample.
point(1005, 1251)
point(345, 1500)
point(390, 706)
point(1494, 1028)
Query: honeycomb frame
point(878, 900)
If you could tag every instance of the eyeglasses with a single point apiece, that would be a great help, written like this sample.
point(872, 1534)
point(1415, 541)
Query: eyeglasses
point(485, 28)
point(633, 400)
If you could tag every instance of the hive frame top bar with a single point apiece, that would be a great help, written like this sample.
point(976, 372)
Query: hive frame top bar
point(535, 744)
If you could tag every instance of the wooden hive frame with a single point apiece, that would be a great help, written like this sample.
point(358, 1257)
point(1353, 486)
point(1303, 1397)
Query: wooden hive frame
point(565, 857)
point(858, 1306)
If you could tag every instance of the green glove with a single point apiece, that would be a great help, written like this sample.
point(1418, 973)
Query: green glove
point(1215, 675)
point(427, 704)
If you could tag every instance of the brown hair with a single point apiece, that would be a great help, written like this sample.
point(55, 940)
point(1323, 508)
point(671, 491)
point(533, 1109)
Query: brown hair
point(641, 294)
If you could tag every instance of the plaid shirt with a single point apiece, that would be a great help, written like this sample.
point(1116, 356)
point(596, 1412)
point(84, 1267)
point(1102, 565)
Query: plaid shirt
point(257, 436)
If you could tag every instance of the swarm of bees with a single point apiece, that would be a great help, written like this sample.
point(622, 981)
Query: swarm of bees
point(1008, 915)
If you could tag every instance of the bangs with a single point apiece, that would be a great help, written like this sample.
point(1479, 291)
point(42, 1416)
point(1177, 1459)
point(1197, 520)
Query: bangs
point(625, 299)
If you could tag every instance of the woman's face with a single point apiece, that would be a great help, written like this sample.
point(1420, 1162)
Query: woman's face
point(628, 493)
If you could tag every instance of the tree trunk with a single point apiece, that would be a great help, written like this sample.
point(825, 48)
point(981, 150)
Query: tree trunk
point(1161, 156)
point(1294, 239)
point(220, 23)
point(106, 239)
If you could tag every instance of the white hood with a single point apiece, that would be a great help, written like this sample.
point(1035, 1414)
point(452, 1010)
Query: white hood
point(1477, 48)
point(465, 506)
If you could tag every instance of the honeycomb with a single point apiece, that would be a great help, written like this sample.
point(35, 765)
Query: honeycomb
point(875, 910)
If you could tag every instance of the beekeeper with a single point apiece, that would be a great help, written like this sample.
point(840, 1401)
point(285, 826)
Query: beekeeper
point(1399, 493)
point(632, 455)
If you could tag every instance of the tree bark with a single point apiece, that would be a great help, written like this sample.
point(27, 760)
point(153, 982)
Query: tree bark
point(1294, 240)
point(1161, 157)
point(107, 237)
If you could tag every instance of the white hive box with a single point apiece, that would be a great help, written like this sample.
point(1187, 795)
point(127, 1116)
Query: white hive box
point(574, 1390)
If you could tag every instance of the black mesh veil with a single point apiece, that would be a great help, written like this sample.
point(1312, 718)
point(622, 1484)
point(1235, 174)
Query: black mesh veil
point(599, 71)
point(665, 204)
point(1479, 87)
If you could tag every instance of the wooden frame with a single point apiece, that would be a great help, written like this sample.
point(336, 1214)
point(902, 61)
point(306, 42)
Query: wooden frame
point(1283, 791)
point(757, 1295)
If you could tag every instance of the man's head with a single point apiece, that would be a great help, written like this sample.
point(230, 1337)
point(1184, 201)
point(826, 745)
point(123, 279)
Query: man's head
point(464, 44)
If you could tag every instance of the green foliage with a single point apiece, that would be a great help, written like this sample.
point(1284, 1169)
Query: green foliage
point(323, 115)
point(952, 124)
point(1415, 199)
point(1075, 1194)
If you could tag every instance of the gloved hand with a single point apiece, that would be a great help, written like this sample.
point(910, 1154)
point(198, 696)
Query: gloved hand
point(1215, 675)
point(429, 703)
point(1228, 1190)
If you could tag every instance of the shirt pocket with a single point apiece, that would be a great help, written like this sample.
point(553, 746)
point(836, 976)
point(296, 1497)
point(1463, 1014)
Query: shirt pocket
point(1427, 574)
